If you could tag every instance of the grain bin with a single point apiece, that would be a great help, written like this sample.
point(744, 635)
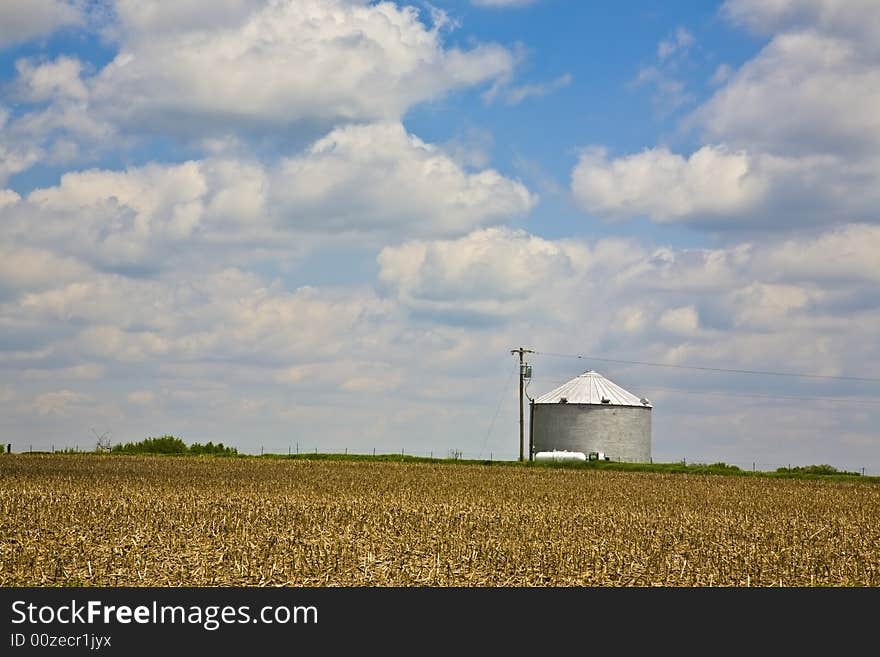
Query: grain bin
point(592, 414)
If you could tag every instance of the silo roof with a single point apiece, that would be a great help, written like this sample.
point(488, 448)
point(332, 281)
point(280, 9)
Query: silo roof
point(592, 388)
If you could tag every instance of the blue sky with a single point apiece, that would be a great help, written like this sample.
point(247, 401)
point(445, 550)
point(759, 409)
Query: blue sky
point(326, 222)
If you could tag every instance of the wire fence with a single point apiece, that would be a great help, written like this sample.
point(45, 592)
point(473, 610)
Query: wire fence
point(490, 456)
point(451, 453)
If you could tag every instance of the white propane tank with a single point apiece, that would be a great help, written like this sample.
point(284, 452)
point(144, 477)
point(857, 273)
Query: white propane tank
point(560, 455)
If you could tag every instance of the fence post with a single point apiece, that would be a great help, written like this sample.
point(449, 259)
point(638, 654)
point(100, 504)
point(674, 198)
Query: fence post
point(753, 466)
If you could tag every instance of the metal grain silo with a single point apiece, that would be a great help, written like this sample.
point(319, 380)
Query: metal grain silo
point(592, 414)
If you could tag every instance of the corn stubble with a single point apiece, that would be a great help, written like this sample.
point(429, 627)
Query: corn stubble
point(189, 521)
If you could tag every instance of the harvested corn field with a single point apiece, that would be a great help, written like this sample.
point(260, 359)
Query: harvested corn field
point(202, 521)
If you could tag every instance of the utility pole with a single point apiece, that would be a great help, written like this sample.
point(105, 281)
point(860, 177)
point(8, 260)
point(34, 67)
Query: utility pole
point(522, 372)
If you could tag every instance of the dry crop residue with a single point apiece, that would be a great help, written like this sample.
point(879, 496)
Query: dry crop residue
point(190, 521)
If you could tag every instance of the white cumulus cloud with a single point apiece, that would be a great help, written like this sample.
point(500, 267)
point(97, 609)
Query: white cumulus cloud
point(365, 179)
point(378, 176)
point(495, 271)
point(235, 71)
point(683, 320)
point(280, 63)
point(790, 138)
point(21, 20)
point(804, 93)
point(664, 185)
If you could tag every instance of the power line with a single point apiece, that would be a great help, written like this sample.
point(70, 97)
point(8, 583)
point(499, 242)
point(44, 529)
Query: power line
point(497, 410)
point(712, 369)
point(749, 394)
point(744, 394)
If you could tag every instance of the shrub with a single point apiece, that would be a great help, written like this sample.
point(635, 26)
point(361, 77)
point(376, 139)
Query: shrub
point(211, 448)
point(173, 445)
point(161, 445)
point(725, 467)
point(823, 469)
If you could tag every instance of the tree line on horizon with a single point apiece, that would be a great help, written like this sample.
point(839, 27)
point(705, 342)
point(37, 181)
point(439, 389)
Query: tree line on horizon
point(172, 445)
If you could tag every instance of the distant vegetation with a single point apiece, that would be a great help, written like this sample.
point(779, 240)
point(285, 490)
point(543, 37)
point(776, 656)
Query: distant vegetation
point(678, 467)
point(172, 445)
point(799, 472)
point(211, 448)
point(823, 469)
